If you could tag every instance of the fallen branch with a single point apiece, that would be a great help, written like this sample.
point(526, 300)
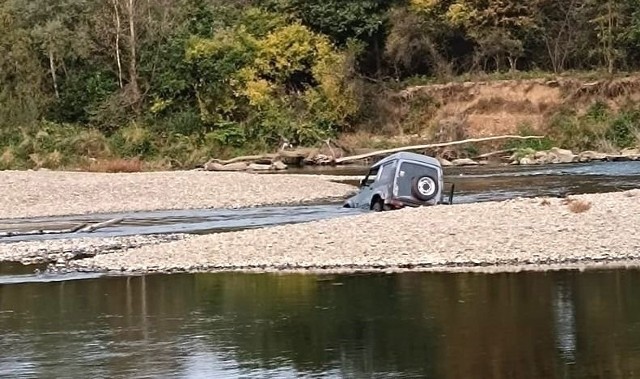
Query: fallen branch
point(42, 232)
point(246, 158)
point(100, 225)
point(494, 153)
point(298, 153)
point(430, 146)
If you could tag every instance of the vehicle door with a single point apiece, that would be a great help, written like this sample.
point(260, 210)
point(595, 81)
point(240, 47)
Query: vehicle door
point(367, 187)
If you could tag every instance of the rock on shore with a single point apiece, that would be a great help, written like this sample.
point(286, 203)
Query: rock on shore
point(515, 232)
point(51, 193)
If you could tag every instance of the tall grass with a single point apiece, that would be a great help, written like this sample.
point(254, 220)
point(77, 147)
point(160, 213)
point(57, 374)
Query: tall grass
point(134, 147)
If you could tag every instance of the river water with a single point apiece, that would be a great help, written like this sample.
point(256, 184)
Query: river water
point(564, 324)
point(525, 325)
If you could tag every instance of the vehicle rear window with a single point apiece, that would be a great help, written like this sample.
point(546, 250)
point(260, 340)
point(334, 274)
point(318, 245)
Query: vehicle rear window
point(408, 171)
point(388, 172)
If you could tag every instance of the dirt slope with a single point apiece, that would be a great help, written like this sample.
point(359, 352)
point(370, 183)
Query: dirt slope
point(500, 107)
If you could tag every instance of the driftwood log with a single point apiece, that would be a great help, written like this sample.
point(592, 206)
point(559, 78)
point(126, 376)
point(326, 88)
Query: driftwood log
point(81, 228)
point(42, 232)
point(495, 153)
point(333, 155)
point(430, 146)
point(100, 225)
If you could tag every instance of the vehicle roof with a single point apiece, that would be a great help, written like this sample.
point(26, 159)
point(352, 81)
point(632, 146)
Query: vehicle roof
point(408, 156)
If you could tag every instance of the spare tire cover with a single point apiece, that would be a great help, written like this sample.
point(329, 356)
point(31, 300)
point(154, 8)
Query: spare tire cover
point(424, 188)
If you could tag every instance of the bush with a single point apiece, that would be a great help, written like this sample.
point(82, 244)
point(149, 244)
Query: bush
point(133, 141)
point(624, 128)
point(599, 127)
point(531, 144)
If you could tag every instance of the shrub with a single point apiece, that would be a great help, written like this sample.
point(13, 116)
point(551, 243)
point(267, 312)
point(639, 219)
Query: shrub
point(578, 206)
point(116, 165)
point(531, 144)
point(624, 128)
point(133, 141)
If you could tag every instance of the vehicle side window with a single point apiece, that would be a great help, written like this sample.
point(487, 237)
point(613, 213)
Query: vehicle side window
point(388, 172)
point(371, 176)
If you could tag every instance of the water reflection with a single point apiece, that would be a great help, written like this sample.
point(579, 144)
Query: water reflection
point(528, 325)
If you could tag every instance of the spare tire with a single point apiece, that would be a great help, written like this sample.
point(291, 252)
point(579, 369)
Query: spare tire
point(424, 188)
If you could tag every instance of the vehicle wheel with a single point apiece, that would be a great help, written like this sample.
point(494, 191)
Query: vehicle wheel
point(378, 206)
point(424, 188)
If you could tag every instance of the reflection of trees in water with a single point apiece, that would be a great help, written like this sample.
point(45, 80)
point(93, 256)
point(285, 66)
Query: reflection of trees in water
point(607, 323)
point(360, 325)
point(95, 328)
point(492, 326)
point(564, 321)
point(434, 325)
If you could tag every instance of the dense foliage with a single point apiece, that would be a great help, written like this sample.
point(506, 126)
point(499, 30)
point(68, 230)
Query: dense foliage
point(181, 77)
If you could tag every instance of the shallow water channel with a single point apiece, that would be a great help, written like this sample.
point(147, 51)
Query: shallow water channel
point(526, 325)
point(471, 185)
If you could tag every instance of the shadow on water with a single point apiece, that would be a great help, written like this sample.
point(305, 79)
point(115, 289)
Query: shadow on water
point(528, 325)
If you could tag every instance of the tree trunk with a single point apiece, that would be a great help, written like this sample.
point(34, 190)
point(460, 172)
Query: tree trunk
point(133, 64)
point(118, 59)
point(513, 63)
point(54, 78)
point(610, 44)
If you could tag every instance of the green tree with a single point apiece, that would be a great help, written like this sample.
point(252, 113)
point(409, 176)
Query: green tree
point(499, 28)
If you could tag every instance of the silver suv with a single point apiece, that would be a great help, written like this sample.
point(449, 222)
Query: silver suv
point(400, 180)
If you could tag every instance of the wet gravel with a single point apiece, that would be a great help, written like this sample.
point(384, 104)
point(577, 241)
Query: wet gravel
point(514, 233)
point(60, 252)
point(49, 193)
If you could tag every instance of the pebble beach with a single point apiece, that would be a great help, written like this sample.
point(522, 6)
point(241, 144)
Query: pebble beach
point(525, 233)
point(53, 193)
point(495, 236)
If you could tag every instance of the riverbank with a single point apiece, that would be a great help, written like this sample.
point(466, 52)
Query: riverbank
point(49, 193)
point(515, 233)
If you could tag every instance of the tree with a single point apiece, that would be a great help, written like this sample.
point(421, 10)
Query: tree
point(415, 39)
point(344, 20)
point(608, 18)
point(498, 27)
point(22, 97)
point(560, 31)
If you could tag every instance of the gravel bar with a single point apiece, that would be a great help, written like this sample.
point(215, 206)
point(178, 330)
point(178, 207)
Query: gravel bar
point(54, 193)
point(62, 251)
point(494, 235)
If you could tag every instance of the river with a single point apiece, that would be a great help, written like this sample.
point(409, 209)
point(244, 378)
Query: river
point(525, 325)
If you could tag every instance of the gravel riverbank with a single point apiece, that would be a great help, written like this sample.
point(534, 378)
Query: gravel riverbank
point(64, 250)
point(53, 193)
point(516, 233)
